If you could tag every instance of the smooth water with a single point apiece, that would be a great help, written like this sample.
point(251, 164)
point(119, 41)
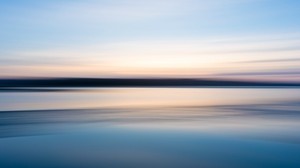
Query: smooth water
point(150, 127)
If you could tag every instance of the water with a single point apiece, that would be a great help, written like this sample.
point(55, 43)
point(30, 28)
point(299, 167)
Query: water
point(150, 127)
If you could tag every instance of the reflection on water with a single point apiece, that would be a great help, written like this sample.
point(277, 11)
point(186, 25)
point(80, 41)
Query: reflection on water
point(157, 127)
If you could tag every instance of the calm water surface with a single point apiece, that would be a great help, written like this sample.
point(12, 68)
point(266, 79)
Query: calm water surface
point(150, 127)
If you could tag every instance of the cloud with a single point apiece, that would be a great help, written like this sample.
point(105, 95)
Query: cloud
point(266, 73)
point(156, 56)
point(293, 60)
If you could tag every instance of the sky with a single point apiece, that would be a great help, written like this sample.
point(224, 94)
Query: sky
point(234, 39)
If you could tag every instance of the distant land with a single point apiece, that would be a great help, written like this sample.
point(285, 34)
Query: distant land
point(136, 82)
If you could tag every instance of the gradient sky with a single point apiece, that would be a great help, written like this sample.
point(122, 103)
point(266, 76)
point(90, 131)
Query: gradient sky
point(251, 39)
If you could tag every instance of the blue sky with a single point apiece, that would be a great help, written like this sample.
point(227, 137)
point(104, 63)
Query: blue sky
point(218, 38)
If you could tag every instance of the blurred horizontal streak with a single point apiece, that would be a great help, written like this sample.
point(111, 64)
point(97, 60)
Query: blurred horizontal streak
point(36, 90)
point(245, 116)
point(272, 60)
point(183, 56)
point(287, 72)
point(144, 82)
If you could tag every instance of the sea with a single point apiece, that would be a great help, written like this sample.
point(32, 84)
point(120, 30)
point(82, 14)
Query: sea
point(150, 127)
